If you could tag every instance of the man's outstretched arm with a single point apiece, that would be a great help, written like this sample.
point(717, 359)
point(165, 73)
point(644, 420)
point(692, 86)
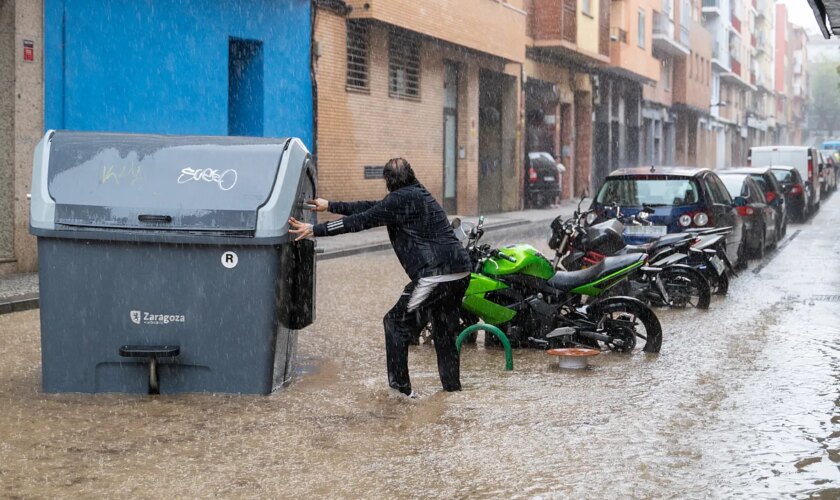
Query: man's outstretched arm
point(341, 207)
point(388, 211)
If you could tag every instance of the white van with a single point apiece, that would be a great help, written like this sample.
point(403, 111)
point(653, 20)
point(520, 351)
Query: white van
point(806, 160)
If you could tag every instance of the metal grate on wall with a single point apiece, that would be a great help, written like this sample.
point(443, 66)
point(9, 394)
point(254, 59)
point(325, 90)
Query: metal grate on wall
point(403, 65)
point(373, 172)
point(358, 55)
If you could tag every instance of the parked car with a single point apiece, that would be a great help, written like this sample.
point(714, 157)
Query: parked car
point(794, 189)
point(759, 217)
point(774, 195)
point(828, 170)
point(832, 144)
point(806, 161)
point(543, 181)
point(682, 198)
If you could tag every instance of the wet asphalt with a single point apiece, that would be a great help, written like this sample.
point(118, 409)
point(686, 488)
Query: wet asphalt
point(742, 401)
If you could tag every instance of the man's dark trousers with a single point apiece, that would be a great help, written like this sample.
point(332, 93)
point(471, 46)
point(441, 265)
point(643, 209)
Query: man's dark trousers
point(441, 307)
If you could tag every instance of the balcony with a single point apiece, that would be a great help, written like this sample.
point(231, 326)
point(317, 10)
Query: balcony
point(685, 35)
point(735, 65)
point(555, 20)
point(761, 10)
point(761, 44)
point(736, 23)
point(490, 27)
point(663, 36)
point(712, 8)
point(719, 58)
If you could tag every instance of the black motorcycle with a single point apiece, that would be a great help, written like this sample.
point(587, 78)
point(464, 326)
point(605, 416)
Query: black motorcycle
point(667, 280)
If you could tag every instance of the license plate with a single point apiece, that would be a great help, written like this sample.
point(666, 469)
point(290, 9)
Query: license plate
point(646, 230)
point(548, 178)
point(717, 263)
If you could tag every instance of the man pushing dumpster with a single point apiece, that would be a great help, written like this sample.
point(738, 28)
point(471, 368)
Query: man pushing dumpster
point(434, 259)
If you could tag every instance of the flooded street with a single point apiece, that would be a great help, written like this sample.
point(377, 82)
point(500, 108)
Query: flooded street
point(742, 401)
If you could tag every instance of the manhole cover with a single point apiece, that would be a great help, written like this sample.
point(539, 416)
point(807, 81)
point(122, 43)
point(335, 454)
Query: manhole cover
point(826, 298)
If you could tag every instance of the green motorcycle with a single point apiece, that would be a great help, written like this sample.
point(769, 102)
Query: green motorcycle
point(520, 291)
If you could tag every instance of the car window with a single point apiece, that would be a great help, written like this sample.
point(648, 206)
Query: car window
point(717, 190)
point(753, 191)
point(721, 189)
point(761, 182)
point(783, 175)
point(655, 191)
point(734, 185)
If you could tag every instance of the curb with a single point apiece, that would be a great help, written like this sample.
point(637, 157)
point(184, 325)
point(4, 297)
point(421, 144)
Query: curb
point(30, 301)
point(19, 303)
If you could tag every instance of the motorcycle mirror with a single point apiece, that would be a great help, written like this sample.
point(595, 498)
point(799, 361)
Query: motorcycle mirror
point(464, 231)
point(456, 223)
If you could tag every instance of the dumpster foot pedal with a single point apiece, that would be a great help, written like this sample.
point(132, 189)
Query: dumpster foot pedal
point(152, 353)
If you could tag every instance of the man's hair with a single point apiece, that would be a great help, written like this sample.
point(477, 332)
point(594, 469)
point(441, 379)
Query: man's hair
point(398, 174)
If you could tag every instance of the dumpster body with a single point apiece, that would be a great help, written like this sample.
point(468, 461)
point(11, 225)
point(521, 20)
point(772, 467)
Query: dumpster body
point(165, 264)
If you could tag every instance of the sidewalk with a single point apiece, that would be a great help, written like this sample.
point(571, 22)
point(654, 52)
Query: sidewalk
point(19, 292)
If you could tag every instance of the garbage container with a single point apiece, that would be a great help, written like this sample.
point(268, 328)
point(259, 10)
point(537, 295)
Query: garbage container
point(165, 263)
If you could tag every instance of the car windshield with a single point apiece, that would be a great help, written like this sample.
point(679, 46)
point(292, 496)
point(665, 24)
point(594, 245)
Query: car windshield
point(734, 184)
point(652, 191)
point(762, 183)
point(783, 175)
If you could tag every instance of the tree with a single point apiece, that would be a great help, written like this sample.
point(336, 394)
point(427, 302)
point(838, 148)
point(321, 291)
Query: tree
point(825, 96)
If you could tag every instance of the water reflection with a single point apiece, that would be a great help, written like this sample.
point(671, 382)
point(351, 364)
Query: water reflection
point(742, 401)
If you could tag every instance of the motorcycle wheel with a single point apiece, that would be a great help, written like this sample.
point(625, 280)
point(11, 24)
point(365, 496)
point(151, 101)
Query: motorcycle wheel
point(631, 321)
point(686, 287)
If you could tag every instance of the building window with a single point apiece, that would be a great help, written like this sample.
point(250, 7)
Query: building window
point(358, 55)
point(403, 66)
point(641, 28)
point(666, 74)
point(586, 7)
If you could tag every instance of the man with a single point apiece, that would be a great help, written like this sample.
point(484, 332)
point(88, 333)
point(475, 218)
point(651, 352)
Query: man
point(434, 259)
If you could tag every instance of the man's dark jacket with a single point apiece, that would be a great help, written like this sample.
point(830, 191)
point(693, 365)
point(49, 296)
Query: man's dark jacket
point(417, 225)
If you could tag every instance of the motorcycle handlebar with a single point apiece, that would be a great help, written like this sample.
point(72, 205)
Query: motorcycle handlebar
point(500, 255)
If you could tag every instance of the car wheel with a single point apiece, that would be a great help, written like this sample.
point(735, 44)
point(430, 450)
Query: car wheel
point(775, 241)
point(762, 243)
point(742, 254)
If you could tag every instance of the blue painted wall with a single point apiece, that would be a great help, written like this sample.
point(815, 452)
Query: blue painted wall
point(161, 66)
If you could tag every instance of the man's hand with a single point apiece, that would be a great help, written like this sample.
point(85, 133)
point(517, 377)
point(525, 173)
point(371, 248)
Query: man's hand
point(300, 229)
point(320, 204)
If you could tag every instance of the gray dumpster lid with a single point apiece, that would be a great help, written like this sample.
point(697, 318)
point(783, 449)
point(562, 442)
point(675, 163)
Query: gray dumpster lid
point(192, 183)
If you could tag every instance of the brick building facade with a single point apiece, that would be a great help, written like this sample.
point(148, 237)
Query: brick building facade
point(441, 91)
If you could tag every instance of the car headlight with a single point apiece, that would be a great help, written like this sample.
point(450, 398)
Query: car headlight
point(685, 220)
point(701, 219)
point(591, 218)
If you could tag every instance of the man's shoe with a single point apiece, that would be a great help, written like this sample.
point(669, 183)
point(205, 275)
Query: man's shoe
point(400, 394)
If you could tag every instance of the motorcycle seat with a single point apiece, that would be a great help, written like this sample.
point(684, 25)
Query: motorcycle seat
point(569, 280)
point(661, 242)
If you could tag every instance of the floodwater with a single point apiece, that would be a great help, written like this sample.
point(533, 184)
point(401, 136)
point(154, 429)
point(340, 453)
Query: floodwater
point(741, 402)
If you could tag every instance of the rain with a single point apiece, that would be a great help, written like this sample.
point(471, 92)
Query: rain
point(182, 314)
